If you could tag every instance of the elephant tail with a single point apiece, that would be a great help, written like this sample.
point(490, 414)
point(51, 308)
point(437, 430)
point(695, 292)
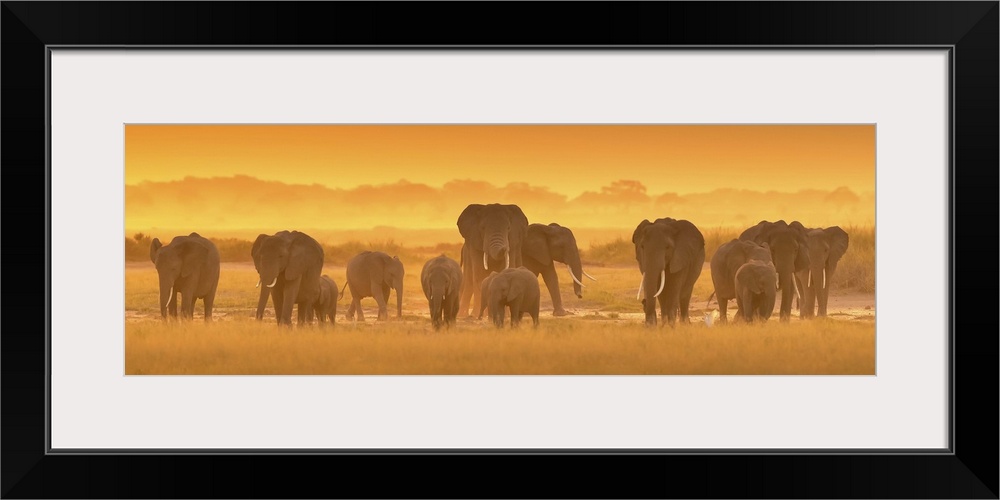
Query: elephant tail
point(710, 299)
point(342, 292)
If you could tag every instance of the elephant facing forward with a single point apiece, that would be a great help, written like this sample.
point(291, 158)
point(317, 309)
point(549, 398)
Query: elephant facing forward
point(789, 253)
point(441, 280)
point(826, 247)
point(543, 246)
point(290, 264)
point(188, 265)
point(374, 274)
point(518, 290)
point(326, 301)
point(494, 235)
point(727, 260)
point(756, 284)
point(670, 254)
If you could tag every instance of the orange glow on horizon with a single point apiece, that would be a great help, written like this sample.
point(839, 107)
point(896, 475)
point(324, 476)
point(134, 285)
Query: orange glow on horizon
point(412, 175)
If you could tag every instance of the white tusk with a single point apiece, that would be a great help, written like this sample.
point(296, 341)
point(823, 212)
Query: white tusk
point(638, 296)
point(570, 269)
point(663, 281)
point(824, 277)
point(506, 260)
point(589, 276)
point(170, 297)
point(485, 264)
point(273, 282)
point(809, 284)
point(258, 283)
point(796, 283)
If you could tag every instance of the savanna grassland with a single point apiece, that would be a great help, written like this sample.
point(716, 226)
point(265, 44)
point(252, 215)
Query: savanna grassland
point(604, 335)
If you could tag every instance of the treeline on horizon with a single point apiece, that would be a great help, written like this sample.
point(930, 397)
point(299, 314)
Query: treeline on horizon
point(229, 203)
point(856, 270)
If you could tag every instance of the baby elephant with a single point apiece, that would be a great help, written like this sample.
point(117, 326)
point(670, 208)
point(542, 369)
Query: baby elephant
point(326, 302)
point(441, 279)
point(517, 289)
point(756, 286)
point(484, 293)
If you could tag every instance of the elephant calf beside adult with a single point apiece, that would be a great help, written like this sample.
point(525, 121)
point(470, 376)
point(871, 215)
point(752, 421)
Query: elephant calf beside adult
point(373, 274)
point(494, 235)
point(515, 289)
point(189, 266)
point(756, 284)
point(727, 261)
point(544, 245)
point(289, 264)
point(789, 253)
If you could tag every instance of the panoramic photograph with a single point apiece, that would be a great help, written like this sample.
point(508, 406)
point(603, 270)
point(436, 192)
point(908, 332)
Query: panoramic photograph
point(499, 249)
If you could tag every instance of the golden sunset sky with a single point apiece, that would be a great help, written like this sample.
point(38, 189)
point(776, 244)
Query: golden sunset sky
point(414, 166)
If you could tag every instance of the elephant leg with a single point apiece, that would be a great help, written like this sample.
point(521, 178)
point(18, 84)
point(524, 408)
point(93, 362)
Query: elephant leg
point(670, 300)
point(684, 302)
point(358, 311)
point(477, 279)
point(209, 302)
point(291, 292)
point(748, 310)
point(739, 305)
point(303, 316)
point(468, 286)
point(723, 304)
point(823, 297)
point(379, 294)
point(515, 314)
point(278, 297)
point(552, 283)
point(187, 305)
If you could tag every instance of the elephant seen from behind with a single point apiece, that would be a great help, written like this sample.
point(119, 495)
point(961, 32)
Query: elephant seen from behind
point(789, 253)
point(670, 254)
point(494, 235)
point(289, 264)
point(441, 280)
point(515, 289)
point(826, 248)
point(544, 245)
point(374, 274)
point(189, 266)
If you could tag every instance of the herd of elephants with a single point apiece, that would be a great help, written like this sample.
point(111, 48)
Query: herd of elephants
point(500, 262)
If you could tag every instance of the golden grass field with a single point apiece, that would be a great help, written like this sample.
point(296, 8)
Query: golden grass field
point(605, 334)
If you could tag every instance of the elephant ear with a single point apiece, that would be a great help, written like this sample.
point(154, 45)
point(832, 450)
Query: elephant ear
point(193, 257)
point(515, 289)
point(688, 245)
point(737, 255)
point(255, 250)
point(536, 244)
point(637, 236)
point(468, 223)
point(838, 242)
point(154, 248)
point(754, 233)
point(518, 225)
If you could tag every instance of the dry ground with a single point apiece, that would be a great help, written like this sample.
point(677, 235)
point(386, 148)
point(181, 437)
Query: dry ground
point(604, 335)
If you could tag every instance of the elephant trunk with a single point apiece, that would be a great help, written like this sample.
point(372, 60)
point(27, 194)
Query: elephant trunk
point(262, 301)
point(166, 296)
point(496, 249)
point(576, 272)
point(436, 313)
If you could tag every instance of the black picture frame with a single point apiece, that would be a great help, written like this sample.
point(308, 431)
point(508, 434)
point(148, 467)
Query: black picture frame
point(970, 470)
